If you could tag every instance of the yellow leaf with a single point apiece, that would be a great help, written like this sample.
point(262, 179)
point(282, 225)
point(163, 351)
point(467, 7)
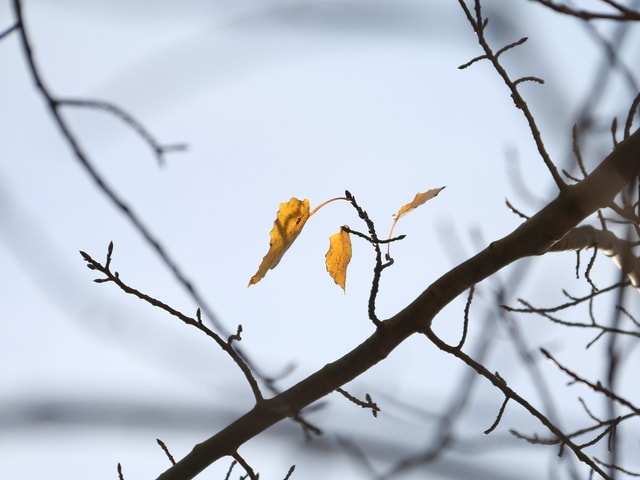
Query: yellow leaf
point(418, 200)
point(291, 217)
point(338, 257)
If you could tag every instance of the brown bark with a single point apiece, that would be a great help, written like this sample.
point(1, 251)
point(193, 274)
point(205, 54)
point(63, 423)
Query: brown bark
point(534, 237)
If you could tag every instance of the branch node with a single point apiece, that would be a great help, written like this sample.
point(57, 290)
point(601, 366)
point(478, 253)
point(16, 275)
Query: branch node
point(10, 30)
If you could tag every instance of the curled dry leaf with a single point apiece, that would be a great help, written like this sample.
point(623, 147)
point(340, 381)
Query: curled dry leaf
point(418, 200)
point(338, 257)
point(290, 219)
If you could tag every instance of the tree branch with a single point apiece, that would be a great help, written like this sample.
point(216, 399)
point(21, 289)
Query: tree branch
point(54, 108)
point(534, 237)
point(620, 251)
point(624, 14)
point(478, 23)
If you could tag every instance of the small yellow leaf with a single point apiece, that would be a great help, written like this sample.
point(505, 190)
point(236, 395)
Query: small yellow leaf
point(418, 200)
point(291, 217)
point(338, 257)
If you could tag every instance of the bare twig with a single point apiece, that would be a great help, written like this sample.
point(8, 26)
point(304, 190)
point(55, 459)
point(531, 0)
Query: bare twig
point(496, 422)
point(478, 24)
point(166, 451)
point(623, 15)
point(596, 387)
point(118, 112)
point(83, 159)
point(8, 31)
point(231, 467)
point(633, 111)
point(618, 468)
point(290, 472)
point(247, 468)
point(111, 276)
point(369, 403)
point(465, 323)
point(501, 385)
point(379, 265)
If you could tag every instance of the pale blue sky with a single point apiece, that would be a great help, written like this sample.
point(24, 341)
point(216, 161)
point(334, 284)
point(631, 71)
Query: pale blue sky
point(274, 99)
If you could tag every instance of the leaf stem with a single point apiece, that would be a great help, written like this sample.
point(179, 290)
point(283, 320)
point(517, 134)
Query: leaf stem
point(326, 202)
point(393, 226)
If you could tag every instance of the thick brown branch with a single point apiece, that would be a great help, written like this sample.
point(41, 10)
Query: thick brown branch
point(534, 237)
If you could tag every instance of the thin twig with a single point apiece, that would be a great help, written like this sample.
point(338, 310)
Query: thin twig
point(496, 422)
point(379, 265)
point(465, 323)
point(112, 196)
point(118, 112)
point(166, 451)
point(596, 387)
point(111, 276)
point(246, 466)
point(625, 14)
point(369, 403)
point(9, 31)
point(478, 24)
point(501, 385)
point(136, 221)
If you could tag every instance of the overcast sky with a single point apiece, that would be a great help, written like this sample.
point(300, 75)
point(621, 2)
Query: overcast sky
point(274, 99)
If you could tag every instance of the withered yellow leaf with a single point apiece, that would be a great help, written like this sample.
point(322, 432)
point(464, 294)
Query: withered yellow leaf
point(338, 257)
point(418, 200)
point(290, 219)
